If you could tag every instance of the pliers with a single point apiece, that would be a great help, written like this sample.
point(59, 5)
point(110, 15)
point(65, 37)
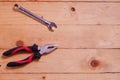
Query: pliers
point(37, 52)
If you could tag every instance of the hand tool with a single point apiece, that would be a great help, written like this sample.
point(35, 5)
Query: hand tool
point(51, 25)
point(37, 52)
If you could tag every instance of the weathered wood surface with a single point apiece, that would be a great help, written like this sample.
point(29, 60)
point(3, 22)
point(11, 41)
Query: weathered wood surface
point(85, 13)
point(67, 36)
point(60, 76)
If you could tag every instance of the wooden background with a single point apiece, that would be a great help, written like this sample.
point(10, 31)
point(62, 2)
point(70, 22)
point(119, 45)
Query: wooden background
point(88, 36)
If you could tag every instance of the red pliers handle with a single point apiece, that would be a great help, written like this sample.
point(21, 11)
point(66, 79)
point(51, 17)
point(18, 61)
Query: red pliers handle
point(32, 49)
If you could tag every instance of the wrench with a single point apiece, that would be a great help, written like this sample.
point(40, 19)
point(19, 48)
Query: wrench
point(51, 25)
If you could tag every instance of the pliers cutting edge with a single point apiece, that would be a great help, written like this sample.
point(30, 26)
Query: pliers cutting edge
point(37, 52)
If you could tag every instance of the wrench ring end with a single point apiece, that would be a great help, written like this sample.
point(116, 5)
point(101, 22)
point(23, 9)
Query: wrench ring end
point(16, 6)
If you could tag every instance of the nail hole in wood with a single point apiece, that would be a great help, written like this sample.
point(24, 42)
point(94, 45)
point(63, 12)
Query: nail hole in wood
point(73, 9)
point(19, 43)
point(41, 16)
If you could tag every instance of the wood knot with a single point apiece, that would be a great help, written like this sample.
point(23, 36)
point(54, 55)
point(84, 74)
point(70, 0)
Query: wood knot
point(73, 9)
point(19, 43)
point(94, 63)
point(43, 77)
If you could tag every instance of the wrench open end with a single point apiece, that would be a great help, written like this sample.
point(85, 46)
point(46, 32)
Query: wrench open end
point(52, 26)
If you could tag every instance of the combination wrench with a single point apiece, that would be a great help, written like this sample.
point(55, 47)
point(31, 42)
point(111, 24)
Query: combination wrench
point(50, 25)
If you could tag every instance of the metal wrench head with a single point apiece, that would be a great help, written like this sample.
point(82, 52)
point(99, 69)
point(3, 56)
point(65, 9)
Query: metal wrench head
point(47, 48)
point(16, 6)
point(52, 26)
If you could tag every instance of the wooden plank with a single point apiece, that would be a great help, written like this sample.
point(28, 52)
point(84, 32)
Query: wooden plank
point(68, 12)
point(66, 36)
point(68, 61)
point(59, 76)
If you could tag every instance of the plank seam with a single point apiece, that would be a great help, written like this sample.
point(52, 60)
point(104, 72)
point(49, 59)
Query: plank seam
point(66, 73)
point(71, 24)
point(78, 48)
point(69, 1)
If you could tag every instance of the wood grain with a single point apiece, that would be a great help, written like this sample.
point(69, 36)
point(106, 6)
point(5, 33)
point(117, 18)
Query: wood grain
point(66, 36)
point(68, 61)
point(85, 13)
point(82, 25)
point(60, 76)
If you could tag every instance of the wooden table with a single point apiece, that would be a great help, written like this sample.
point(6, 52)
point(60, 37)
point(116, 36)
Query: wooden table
point(88, 36)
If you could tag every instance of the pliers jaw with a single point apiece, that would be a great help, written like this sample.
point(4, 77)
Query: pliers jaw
point(47, 48)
